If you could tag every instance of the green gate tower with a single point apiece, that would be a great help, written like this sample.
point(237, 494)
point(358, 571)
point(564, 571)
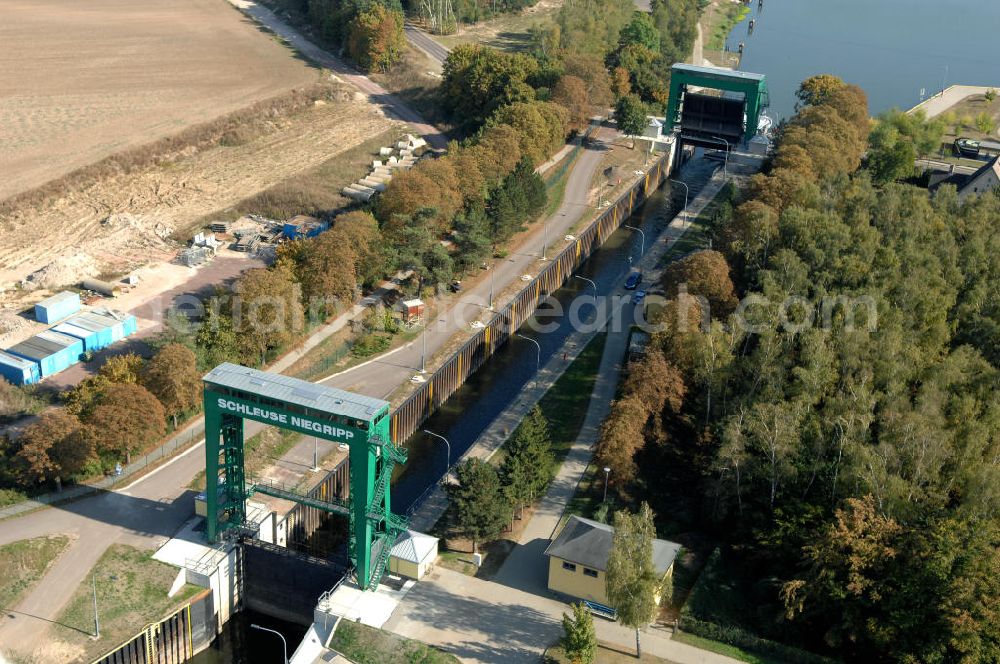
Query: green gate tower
point(234, 393)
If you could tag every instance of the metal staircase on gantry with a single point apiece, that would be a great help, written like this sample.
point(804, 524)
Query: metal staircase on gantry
point(385, 525)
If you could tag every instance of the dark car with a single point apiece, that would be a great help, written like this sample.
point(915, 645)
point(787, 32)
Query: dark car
point(639, 296)
point(633, 280)
point(455, 287)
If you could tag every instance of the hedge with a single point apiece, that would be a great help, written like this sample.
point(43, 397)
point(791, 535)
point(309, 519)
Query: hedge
point(741, 638)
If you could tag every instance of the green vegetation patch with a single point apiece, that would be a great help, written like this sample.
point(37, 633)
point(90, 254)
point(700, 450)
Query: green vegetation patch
point(131, 592)
point(719, 20)
point(367, 645)
point(23, 563)
point(606, 654)
point(723, 649)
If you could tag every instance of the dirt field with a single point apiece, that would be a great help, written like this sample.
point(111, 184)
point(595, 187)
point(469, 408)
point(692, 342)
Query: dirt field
point(81, 80)
point(126, 221)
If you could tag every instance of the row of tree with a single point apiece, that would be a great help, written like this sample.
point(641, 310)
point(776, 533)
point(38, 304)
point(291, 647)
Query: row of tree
point(839, 434)
point(108, 417)
point(485, 499)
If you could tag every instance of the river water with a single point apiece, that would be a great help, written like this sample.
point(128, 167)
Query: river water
point(893, 49)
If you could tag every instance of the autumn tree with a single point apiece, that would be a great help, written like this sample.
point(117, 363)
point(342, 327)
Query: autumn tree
point(703, 274)
point(52, 449)
point(571, 93)
point(375, 40)
point(591, 70)
point(478, 80)
point(127, 419)
point(124, 368)
point(359, 230)
point(324, 267)
point(268, 313)
point(816, 89)
point(479, 506)
point(172, 376)
point(630, 580)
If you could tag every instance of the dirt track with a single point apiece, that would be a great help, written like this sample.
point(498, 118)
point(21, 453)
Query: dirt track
point(73, 234)
point(81, 80)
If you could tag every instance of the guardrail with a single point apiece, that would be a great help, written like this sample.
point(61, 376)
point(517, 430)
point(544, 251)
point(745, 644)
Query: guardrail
point(477, 350)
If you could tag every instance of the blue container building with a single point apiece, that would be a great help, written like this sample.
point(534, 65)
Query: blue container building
point(99, 329)
point(52, 351)
point(302, 226)
point(18, 370)
point(59, 306)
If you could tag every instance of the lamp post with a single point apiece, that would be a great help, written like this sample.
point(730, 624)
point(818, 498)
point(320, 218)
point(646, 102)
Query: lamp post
point(642, 238)
point(315, 454)
point(284, 644)
point(423, 350)
point(607, 471)
point(545, 236)
point(725, 163)
point(686, 192)
point(538, 353)
point(492, 283)
point(97, 621)
point(448, 446)
point(589, 281)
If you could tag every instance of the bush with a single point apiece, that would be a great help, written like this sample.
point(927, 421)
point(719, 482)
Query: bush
point(736, 636)
point(370, 344)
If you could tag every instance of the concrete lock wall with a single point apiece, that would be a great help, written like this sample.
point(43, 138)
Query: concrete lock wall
point(173, 640)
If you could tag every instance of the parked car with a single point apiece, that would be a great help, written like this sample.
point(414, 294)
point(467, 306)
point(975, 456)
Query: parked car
point(633, 280)
point(639, 296)
point(455, 287)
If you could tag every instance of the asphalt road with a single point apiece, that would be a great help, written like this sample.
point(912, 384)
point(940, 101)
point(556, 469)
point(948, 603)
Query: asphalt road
point(381, 377)
point(425, 43)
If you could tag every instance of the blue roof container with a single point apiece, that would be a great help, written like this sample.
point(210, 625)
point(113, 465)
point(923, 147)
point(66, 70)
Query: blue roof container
point(54, 309)
point(18, 370)
point(302, 226)
point(52, 351)
point(99, 329)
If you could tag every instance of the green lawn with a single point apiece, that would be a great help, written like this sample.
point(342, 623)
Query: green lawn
point(507, 32)
point(367, 645)
point(23, 563)
point(722, 649)
point(718, 21)
point(566, 402)
point(131, 592)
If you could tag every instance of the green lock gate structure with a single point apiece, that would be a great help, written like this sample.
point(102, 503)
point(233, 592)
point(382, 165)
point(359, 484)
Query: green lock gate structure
point(234, 393)
point(712, 122)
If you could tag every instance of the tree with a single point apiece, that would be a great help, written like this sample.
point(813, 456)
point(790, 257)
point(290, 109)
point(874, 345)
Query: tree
point(571, 93)
point(172, 376)
point(376, 39)
point(621, 437)
point(269, 312)
point(477, 80)
point(480, 509)
point(706, 274)
point(359, 230)
point(990, 95)
point(127, 419)
point(51, 448)
point(640, 30)
point(984, 123)
point(579, 640)
point(590, 70)
point(325, 268)
point(124, 368)
point(630, 579)
point(630, 114)
point(215, 340)
point(816, 89)
point(527, 466)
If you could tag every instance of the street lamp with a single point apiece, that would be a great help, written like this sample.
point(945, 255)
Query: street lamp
point(97, 620)
point(642, 236)
point(607, 471)
point(538, 350)
point(589, 281)
point(423, 350)
point(725, 163)
point(447, 444)
point(545, 236)
point(284, 644)
point(492, 283)
point(686, 192)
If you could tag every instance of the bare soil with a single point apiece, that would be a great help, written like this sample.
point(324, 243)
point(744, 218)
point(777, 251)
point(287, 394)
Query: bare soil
point(82, 80)
point(124, 221)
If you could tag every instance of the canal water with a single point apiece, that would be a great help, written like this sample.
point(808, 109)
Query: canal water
point(241, 644)
point(893, 49)
point(488, 392)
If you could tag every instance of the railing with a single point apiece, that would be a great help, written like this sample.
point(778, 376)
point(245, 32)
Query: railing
point(473, 354)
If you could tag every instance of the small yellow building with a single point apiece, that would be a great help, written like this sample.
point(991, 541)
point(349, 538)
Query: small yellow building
point(578, 558)
point(413, 554)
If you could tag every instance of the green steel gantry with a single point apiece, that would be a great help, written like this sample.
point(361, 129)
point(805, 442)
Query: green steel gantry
point(234, 393)
point(753, 86)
